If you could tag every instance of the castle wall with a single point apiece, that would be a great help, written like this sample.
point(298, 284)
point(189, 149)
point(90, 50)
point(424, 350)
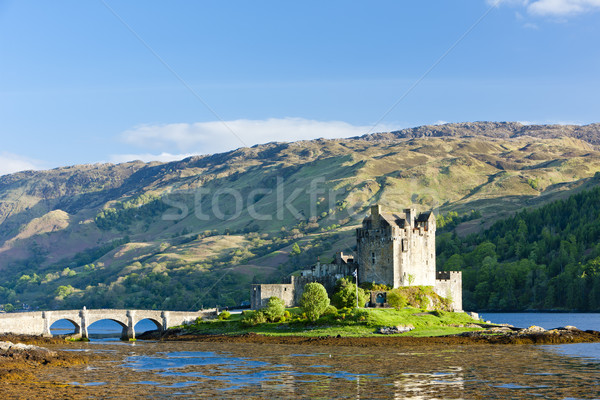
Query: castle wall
point(260, 294)
point(419, 260)
point(323, 270)
point(391, 251)
point(291, 293)
point(378, 247)
point(327, 281)
point(449, 284)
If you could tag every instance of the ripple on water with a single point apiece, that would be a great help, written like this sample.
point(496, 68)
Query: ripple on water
point(235, 372)
point(257, 371)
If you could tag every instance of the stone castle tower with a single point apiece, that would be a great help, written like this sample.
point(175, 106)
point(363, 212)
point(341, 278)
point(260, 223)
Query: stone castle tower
point(397, 249)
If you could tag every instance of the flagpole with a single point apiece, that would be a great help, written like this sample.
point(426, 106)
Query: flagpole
point(356, 276)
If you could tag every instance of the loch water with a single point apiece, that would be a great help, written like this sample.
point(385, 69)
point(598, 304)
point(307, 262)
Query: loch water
point(240, 370)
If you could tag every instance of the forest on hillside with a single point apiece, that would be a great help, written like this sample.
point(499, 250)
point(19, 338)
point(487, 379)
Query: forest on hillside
point(546, 258)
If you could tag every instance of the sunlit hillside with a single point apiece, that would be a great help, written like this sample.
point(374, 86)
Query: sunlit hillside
point(196, 232)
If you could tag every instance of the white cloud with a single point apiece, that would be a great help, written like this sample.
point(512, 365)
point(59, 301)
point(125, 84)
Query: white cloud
point(563, 7)
point(216, 136)
point(507, 2)
point(552, 8)
point(147, 157)
point(10, 163)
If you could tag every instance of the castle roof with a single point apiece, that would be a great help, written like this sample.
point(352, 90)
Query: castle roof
point(399, 220)
point(393, 219)
point(424, 216)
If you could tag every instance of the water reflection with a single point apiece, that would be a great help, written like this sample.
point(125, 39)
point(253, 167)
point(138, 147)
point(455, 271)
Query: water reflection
point(260, 371)
point(420, 386)
point(231, 373)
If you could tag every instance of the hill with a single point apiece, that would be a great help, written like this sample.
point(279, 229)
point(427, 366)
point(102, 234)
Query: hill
point(196, 232)
point(545, 258)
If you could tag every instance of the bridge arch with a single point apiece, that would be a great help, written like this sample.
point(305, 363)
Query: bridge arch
point(76, 324)
point(121, 321)
point(157, 324)
point(124, 327)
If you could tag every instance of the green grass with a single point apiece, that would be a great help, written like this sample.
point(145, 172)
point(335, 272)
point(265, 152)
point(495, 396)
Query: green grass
point(347, 323)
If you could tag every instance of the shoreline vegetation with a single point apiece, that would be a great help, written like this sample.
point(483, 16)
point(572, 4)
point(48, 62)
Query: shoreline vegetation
point(370, 327)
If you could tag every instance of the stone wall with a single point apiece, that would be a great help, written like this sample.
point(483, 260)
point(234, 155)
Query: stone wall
point(420, 257)
point(31, 323)
point(391, 248)
point(328, 281)
point(449, 284)
point(322, 270)
point(260, 294)
point(291, 293)
point(375, 248)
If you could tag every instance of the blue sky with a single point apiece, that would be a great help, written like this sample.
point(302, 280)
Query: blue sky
point(94, 81)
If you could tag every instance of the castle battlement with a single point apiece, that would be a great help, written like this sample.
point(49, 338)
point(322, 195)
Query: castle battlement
point(447, 275)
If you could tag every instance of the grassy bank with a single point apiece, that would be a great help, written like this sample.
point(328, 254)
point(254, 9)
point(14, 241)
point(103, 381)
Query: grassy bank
point(344, 322)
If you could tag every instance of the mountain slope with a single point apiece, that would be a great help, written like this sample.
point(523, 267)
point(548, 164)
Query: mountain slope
point(544, 258)
point(198, 231)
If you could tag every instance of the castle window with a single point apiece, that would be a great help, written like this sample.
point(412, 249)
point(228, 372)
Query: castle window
point(404, 245)
point(373, 258)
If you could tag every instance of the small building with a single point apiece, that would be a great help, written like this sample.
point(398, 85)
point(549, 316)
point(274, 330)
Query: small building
point(395, 249)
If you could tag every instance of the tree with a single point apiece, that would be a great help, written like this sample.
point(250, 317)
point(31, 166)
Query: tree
point(314, 300)
point(275, 309)
point(63, 291)
point(345, 294)
point(295, 249)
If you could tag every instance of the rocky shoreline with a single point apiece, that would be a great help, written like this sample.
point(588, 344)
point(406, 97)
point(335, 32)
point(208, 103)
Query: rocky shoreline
point(30, 370)
point(492, 335)
point(22, 360)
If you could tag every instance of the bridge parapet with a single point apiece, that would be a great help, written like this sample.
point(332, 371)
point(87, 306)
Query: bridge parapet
point(39, 323)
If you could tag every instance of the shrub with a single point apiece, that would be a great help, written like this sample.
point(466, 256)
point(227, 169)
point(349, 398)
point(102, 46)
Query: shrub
point(360, 315)
point(396, 299)
point(330, 310)
point(314, 300)
point(254, 318)
point(345, 295)
point(225, 315)
point(275, 309)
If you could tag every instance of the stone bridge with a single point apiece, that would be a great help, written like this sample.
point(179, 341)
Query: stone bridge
point(38, 323)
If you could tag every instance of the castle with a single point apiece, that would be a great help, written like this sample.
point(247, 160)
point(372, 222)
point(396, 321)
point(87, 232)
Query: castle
point(395, 249)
